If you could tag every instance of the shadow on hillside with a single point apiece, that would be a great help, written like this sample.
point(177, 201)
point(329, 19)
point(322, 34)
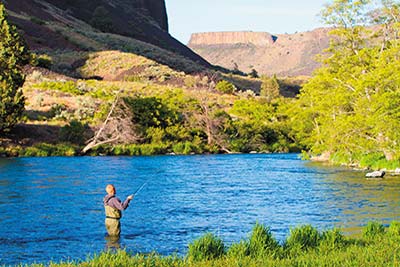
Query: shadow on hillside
point(30, 134)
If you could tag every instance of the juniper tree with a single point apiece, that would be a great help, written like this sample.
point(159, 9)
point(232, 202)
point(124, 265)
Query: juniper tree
point(13, 56)
point(270, 88)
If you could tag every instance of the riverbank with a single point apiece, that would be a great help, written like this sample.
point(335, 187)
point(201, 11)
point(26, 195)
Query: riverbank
point(305, 246)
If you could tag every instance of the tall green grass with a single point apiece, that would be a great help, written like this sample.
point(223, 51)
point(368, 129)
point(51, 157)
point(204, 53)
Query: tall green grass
point(207, 247)
point(305, 246)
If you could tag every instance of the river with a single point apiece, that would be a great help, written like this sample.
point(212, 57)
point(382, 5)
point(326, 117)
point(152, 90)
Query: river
point(51, 208)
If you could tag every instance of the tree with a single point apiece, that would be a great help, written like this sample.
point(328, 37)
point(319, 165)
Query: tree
point(348, 18)
point(254, 74)
point(349, 109)
point(13, 56)
point(270, 88)
point(118, 127)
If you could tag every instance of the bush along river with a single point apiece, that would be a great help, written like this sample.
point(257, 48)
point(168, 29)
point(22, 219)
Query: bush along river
point(52, 207)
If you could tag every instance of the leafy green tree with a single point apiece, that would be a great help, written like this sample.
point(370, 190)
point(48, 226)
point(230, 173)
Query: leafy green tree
point(270, 88)
point(13, 56)
point(151, 112)
point(257, 126)
point(348, 18)
point(350, 108)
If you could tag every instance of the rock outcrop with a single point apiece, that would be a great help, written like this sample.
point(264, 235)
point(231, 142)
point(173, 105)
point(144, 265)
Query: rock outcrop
point(231, 38)
point(283, 54)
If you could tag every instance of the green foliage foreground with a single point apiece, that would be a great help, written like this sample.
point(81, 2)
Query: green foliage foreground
point(13, 56)
point(305, 246)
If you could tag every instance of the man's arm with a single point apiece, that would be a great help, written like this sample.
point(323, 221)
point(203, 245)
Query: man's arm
point(118, 204)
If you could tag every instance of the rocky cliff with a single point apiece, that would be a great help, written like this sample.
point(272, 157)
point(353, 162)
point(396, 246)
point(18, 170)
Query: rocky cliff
point(231, 38)
point(282, 54)
point(47, 24)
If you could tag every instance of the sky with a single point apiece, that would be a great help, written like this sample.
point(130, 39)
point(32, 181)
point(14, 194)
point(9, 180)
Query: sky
point(276, 17)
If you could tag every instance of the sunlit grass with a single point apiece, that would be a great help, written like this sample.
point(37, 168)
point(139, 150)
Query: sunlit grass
point(305, 246)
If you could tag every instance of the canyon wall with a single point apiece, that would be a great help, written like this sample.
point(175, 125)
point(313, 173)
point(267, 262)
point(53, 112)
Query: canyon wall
point(281, 54)
point(224, 38)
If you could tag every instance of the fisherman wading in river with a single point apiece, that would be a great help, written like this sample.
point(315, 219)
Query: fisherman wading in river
point(114, 207)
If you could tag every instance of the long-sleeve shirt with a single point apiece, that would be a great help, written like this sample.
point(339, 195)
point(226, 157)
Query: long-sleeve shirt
point(114, 202)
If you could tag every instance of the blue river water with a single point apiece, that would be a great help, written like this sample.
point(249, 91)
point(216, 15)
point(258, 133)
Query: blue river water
point(51, 208)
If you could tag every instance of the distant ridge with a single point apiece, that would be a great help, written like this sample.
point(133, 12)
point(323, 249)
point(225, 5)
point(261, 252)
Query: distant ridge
point(221, 38)
point(282, 54)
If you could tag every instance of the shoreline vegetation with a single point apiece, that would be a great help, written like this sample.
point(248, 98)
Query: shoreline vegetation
point(304, 246)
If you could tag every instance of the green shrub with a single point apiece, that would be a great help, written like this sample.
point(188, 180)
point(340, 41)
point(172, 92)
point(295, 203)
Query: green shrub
point(56, 110)
point(332, 239)
point(184, 148)
point(225, 87)
point(34, 152)
point(370, 160)
point(377, 161)
point(303, 238)
point(43, 61)
point(261, 241)
point(340, 158)
point(48, 150)
point(190, 81)
point(66, 87)
point(133, 78)
point(126, 150)
point(119, 150)
point(73, 132)
point(373, 230)
point(239, 250)
point(153, 149)
point(207, 247)
point(394, 230)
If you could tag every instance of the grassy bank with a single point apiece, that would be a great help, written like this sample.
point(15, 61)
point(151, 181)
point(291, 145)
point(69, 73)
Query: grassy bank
point(305, 246)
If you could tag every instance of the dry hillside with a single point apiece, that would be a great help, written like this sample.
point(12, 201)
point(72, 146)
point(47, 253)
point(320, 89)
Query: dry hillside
point(134, 26)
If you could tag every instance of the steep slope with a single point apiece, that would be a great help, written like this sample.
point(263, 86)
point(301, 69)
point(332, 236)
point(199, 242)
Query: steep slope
point(78, 25)
point(283, 54)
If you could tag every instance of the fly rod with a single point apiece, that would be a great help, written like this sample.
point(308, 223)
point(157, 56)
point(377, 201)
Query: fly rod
point(139, 189)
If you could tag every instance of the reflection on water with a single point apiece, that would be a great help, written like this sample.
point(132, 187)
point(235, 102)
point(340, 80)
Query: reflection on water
point(52, 207)
point(112, 242)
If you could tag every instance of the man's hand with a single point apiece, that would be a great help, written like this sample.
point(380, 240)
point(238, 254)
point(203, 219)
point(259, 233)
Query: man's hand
point(130, 197)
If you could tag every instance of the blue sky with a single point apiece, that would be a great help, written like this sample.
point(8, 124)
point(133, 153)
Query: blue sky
point(282, 16)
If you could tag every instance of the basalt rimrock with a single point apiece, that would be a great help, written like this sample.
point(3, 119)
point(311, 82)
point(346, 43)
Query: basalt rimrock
point(143, 20)
point(230, 38)
point(282, 54)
